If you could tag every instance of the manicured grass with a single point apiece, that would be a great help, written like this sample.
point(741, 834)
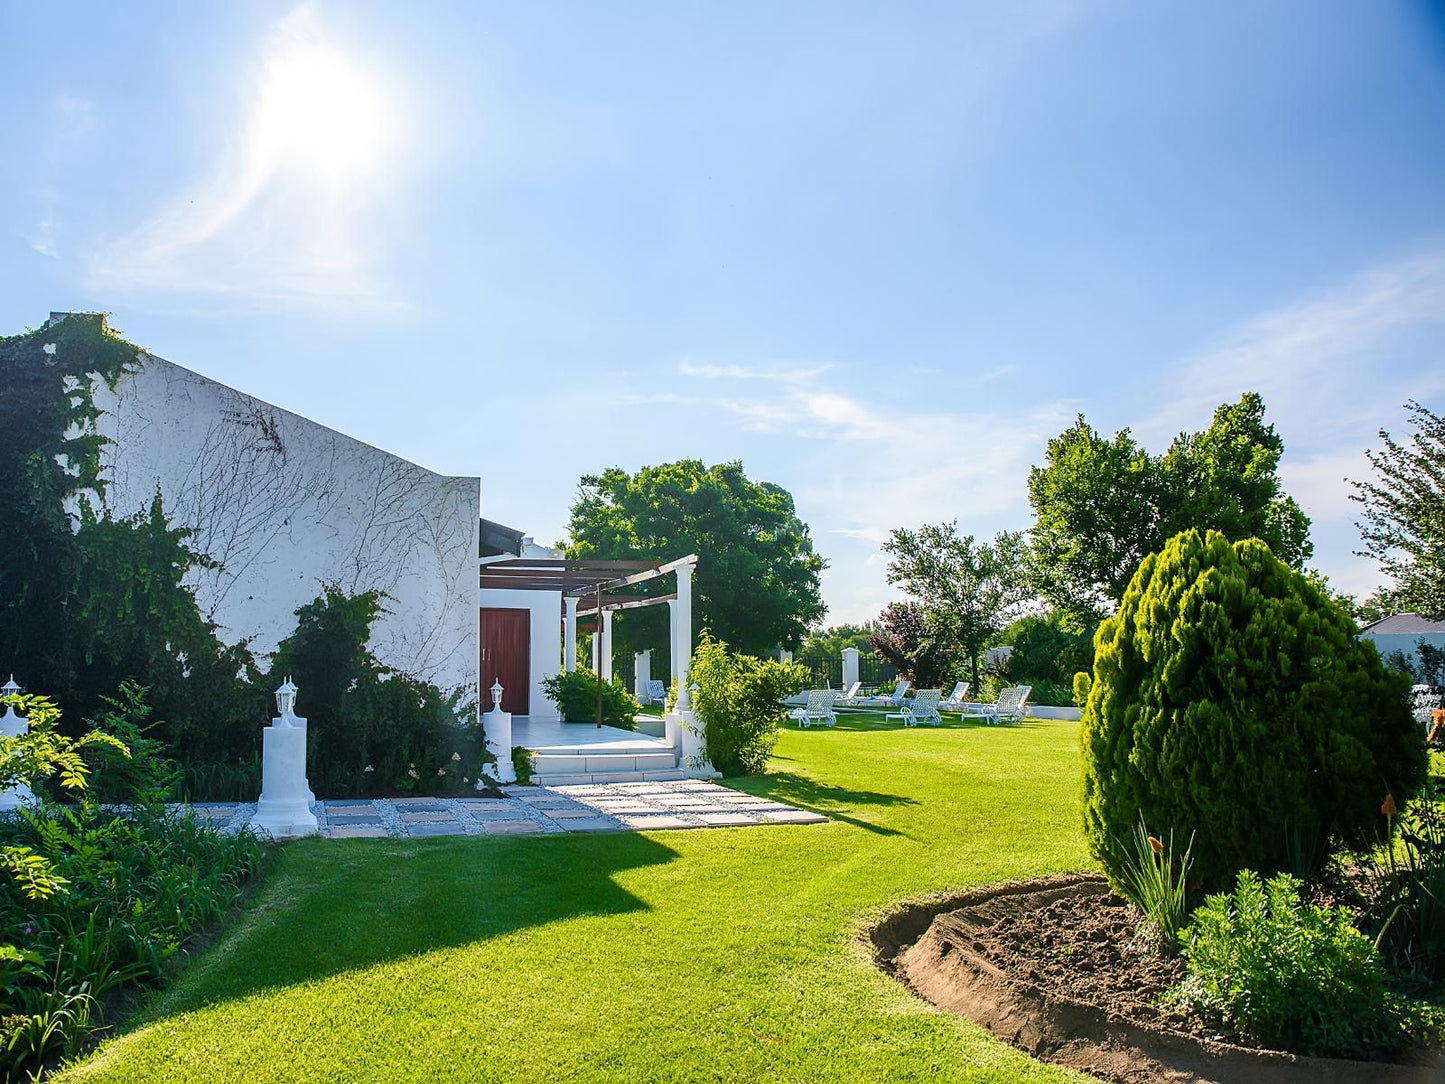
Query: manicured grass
point(722, 954)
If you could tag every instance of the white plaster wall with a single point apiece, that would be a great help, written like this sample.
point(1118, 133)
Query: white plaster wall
point(1387, 642)
point(546, 607)
point(286, 504)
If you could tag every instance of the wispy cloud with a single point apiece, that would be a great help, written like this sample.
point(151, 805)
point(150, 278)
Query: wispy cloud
point(68, 133)
point(289, 211)
point(781, 373)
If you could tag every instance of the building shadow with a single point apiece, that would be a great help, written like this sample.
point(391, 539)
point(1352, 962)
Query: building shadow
point(333, 906)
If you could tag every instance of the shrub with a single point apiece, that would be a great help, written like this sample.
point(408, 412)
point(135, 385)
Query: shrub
point(141, 772)
point(371, 730)
point(1287, 974)
point(1231, 697)
point(739, 699)
point(575, 694)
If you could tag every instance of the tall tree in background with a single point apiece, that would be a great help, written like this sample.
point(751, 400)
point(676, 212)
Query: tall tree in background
point(971, 589)
point(758, 579)
point(1403, 525)
point(917, 644)
point(1102, 505)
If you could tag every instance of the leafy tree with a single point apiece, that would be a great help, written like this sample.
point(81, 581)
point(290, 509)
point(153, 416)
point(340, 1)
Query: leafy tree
point(917, 644)
point(970, 590)
point(1047, 653)
point(1403, 525)
point(830, 642)
point(1101, 505)
point(757, 582)
point(740, 699)
point(1232, 699)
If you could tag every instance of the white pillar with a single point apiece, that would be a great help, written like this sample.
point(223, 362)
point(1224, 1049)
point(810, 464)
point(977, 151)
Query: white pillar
point(850, 667)
point(284, 808)
point(672, 639)
point(605, 635)
point(596, 636)
point(684, 635)
point(641, 674)
point(784, 655)
point(569, 646)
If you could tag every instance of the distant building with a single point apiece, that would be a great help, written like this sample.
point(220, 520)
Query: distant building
point(1404, 633)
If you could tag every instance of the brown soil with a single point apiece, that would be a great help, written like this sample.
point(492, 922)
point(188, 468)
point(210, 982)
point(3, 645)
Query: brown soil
point(1053, 967)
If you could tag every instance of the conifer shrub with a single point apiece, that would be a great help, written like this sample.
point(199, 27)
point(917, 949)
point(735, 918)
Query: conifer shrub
point(1232, 699)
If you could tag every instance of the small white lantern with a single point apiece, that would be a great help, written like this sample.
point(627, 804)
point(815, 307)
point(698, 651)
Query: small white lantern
point(286, 699)
point(496, 696)
point(9, 688)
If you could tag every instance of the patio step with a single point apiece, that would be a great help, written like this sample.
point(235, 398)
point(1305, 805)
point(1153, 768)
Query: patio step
point(570, 779)
point(550, 763)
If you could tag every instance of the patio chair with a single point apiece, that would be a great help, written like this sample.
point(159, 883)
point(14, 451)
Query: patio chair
point(892, 700)
point(958, 699)
point(656, 692)
point(850, 698)
point(923, 708)
point(818, 710)
point(1011, 706)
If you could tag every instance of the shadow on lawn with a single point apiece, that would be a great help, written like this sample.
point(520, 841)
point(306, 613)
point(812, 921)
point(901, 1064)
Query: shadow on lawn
point(824, 798)
point(332, 906)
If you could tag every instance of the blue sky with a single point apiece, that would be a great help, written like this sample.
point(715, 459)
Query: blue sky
point(880, 253)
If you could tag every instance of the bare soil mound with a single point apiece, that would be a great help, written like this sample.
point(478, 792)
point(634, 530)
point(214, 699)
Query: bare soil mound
point(1050, 967)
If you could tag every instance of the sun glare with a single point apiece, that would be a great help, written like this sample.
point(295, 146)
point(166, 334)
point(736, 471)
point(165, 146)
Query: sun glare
point(320, 112)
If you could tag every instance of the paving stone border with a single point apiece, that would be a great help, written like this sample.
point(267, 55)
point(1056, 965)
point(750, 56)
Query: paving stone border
point(597, 807)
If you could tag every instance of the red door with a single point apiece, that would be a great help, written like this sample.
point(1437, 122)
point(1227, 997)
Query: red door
point(507, 658)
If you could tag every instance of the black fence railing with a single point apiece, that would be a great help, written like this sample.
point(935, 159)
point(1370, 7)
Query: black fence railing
point(827, 670)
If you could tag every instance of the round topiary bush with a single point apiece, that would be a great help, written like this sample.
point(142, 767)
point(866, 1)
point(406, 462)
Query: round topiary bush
point(1233, 699)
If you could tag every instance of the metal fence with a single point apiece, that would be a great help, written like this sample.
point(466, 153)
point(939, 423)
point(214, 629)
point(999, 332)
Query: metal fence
point(827, 670)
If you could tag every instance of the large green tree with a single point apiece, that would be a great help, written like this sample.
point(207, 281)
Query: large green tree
point(971, 589)
point(1100, 505)
point(1403, 516)
point(758, 578)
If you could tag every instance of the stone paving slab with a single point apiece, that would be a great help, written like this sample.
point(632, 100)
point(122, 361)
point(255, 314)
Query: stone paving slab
point(661, 805)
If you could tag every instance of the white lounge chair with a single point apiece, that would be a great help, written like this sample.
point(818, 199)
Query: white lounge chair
point(892, 700)
point(1011, 706)
point(818, 710)
point(851, 697)
point(656, 692)
point(923, 708)
point(956, 700)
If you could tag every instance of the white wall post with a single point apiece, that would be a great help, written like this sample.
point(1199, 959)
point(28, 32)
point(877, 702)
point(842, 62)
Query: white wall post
point(641, 674)
point(850, 667)
point(683, 726)
point(604, 660)
point(569, 645)
point(784, 655)
point(684, 635)
point(497, 731)
point(284, 809)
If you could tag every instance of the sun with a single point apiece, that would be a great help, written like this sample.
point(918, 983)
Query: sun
point(318, 110)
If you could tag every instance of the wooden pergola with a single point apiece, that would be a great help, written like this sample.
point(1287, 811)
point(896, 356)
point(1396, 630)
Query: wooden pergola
point(588, 588)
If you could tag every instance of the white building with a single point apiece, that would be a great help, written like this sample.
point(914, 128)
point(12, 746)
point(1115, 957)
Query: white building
point(1404, 633)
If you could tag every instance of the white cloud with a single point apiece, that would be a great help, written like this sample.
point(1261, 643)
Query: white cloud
point(290, 210)
point(782, 373)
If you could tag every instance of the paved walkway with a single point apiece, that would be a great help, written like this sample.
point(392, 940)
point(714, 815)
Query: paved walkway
point(600, 807)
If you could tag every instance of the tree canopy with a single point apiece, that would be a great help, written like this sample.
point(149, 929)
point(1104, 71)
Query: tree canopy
point(758, 578)
point(1101, 505)
point(968, 589)
point(1403, 524)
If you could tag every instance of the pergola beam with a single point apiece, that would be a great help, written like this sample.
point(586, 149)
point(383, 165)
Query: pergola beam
point(623, 602)
point(639, 577)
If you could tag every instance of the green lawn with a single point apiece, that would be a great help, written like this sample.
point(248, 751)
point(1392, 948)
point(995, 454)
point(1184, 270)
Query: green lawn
point(721, 954)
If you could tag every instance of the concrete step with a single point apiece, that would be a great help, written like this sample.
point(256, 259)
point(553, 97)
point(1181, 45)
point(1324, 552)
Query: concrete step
point(556, 764)
point(571, 779)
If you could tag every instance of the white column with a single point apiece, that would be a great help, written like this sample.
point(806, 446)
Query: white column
point(850, 667)
point(596, 636)
point(684, 635)
point(569, 645)
point(672, 639)
point(641, 674)
point(605, 635)
point(784, 655)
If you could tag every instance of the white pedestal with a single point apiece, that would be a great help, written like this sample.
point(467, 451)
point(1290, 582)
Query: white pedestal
point(300, 723)
point(284, 810)
point(12, 726)
point(497, 727)
point(685, 735)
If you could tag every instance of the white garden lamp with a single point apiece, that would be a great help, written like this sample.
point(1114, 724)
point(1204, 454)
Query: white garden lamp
point(286, 701)
point(497, 733)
